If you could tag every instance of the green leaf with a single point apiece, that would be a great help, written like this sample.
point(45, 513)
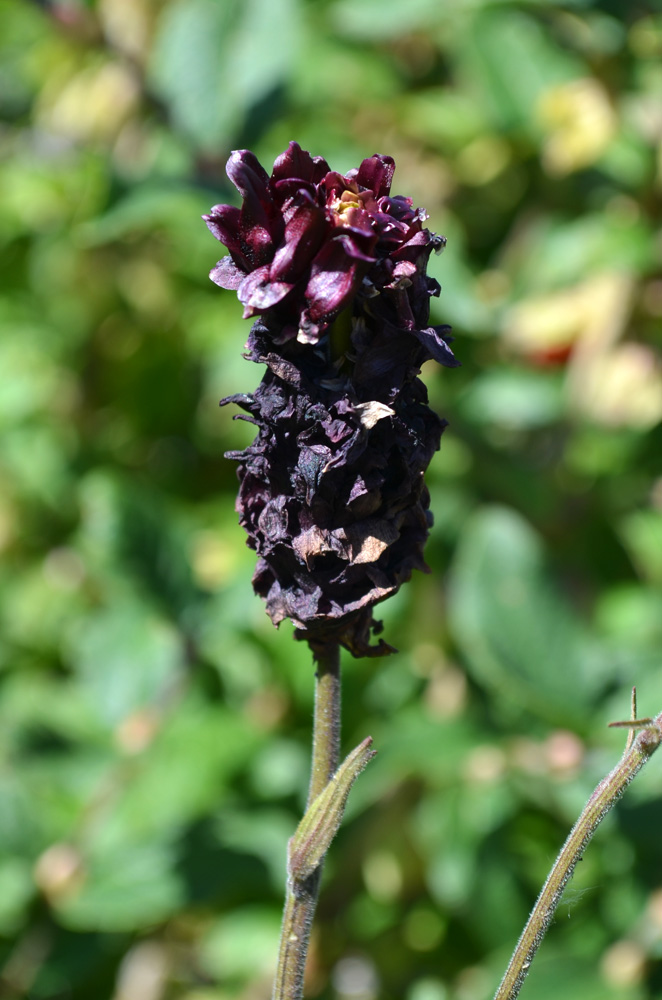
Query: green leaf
point(30, 380)
point(242, 945)
point(189, 68)
point(630, 613)
point(383, 19)
point(642, 533)
point(181, 775)
point(213, 61)
point(125, 890)
point(171, 208)
point(571, 977)
point(554, 252)
point(36, 460)
point(514, 399)
point(130, 531)
point(263, 834)
point(323, 817)
point(520, 637)
point(506, 59)
point(16, 891)
point(126, 658)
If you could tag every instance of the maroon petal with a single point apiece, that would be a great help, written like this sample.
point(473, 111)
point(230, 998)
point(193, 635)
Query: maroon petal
point(357, 222)
point(335, 276)
point(304, 233)
point(390, 227)
point(290, 191)
point(376, 173)
point(223, 223)
point(249, 177)
point(258, 247)
point(227, 274)
point(419, 247)
point(258, 292)
point(402, 208)
point(296, 162)
point(261, 226)
point(334, 184)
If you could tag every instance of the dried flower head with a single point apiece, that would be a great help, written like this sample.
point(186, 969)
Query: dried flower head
point(331, 489)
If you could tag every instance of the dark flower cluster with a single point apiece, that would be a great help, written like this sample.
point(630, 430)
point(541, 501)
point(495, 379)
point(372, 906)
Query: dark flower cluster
point(331, 490)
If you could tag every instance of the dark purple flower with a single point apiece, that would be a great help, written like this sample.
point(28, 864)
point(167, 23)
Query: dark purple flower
point(307, 241)
point(331, 489)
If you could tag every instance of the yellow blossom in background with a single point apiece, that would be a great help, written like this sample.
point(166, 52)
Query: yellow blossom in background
point(482, 160)
point(622, 388)
point(593, 313)
point(578, 122)
point(91, 105)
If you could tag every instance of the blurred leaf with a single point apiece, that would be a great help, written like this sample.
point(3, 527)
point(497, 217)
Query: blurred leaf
point(36, 458)
point(328, 65)
point(422, 743)
point(38, 607)
point(280, 769)
point(551, 253)
point(382, 19)
point(16, 893)
point(392, 688)
point(18, 816)
point(264, 834)
point(446, 118)
point(127, 659)
point(245, 942)
point(37, 702)
point(128, 528)
point(212, 62)
point(64, 787)
point(20, 28)
point(130, 889)
point(631, 613)
point(507, 60)
point(519, 635)
point(189, 68)
point(642, 533)
point(451, 875)
point(158, 208)
point(182, 772)
point(574, 978)
point(29, 381)
point(628, 161)
point(510, 398)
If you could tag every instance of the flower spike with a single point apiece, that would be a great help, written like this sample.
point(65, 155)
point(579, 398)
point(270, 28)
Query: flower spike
point(331, 491)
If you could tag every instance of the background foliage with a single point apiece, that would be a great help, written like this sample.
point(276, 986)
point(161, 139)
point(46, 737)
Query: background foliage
point(154, 728)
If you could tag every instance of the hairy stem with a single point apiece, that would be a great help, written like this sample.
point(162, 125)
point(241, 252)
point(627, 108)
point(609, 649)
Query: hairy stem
point(301, 896)
point(601, 801)
point(326, 726)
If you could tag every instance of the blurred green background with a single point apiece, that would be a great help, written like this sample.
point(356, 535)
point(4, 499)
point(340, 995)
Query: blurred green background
point(154, 727)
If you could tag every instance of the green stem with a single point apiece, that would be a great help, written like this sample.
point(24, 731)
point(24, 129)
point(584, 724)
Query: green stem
point(601, 801)
point(326, 725)
point(301, 895)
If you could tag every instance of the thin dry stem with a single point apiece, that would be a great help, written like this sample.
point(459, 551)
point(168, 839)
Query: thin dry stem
point(606, 794)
